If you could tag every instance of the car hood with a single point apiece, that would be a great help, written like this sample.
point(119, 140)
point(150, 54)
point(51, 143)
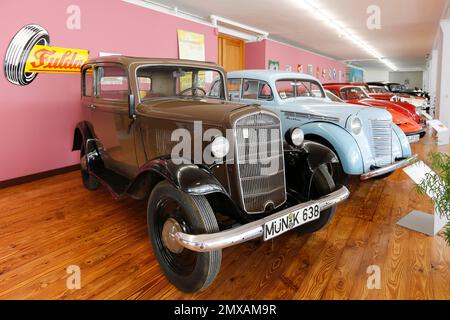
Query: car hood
point(210, 111)
point(399, 107)
point(323, 108)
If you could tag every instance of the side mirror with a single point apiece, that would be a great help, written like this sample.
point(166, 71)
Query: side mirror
point(131, 104)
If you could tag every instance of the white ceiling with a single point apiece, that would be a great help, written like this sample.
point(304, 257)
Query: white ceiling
point(408, 27)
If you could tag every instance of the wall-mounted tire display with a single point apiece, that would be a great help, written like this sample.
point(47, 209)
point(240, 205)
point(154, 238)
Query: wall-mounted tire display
point(18, 52)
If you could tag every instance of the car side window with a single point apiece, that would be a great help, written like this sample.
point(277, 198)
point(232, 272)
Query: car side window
point(88, 82)
point(234, 88)
point(216, 90)
point(250, 89)
point(112, 83)
point(265, 91)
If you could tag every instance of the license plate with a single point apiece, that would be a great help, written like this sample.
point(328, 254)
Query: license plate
point(289, 221)
point(414, 138)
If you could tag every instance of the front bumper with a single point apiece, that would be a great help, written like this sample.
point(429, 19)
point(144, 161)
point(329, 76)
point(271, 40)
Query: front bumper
point(389, 168)
point(253, 230)
point(421, 133)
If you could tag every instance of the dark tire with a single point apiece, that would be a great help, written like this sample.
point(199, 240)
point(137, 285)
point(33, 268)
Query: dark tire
point(90, 182)
point(322, 185)
point(18, 51)
point(189, 271)
point(339, 176)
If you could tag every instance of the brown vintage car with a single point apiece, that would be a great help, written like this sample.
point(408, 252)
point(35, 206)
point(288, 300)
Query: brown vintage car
point(215, 173)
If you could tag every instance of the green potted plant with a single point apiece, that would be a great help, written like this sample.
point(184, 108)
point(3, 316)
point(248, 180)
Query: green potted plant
point(439, 186)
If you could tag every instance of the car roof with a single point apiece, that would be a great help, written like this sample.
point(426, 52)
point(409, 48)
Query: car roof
point(127, 60)
point(269, 75)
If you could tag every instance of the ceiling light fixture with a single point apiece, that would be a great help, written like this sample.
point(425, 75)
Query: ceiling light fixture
point(328, 19)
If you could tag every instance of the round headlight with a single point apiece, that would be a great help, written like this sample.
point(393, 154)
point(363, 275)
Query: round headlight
point(220, 147)
point(356, 125)
point(295, 137)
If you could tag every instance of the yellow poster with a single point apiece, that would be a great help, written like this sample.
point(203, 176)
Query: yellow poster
point(191, 46)
point(46, 59)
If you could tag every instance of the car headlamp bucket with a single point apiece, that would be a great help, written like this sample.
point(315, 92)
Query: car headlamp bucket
point(220, 147)
point(356, 125)
point(295, 137)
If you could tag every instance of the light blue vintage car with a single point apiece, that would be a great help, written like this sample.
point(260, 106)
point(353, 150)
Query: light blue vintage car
point(366, 141)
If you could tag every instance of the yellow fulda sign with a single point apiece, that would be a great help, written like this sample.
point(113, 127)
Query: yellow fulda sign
point(46, 59)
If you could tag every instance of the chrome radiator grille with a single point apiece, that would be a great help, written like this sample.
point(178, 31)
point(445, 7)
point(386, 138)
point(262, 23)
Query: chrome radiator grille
point(260, 162)
point(382, 141)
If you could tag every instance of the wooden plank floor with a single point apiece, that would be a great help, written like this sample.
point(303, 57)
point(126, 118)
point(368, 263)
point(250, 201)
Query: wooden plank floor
point(47, 225)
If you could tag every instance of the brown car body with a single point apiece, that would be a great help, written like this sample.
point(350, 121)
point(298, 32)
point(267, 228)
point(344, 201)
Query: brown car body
point(125, 143)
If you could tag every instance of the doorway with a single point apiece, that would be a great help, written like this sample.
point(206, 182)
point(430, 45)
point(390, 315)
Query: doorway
point(231, 53)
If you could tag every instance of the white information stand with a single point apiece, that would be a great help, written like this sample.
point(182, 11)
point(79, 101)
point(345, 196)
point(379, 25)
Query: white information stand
point(429, 224)
point(442, 131)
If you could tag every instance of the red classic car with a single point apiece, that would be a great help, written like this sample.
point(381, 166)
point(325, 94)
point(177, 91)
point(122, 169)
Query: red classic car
point(406, 104)
point(404, 118)
point(378, 90)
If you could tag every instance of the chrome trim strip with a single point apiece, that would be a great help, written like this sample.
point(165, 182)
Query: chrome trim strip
point(253, 230)
point(389, 168)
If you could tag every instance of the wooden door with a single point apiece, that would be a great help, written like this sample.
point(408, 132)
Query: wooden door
point(231, 53)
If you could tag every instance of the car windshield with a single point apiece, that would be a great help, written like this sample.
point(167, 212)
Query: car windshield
point(333, 97)
point(294, 88)
point(353, 93)
point(378, 90)
point(397, 87)
point(182, 82)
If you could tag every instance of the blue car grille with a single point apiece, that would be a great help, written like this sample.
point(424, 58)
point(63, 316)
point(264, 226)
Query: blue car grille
point(382, 141)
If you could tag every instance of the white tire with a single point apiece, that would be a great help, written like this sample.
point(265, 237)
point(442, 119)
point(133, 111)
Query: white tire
point(19, 50)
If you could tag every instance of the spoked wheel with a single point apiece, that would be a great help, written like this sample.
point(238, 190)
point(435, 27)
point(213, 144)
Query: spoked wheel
point(170, 211)
point(322, 184)
point(91, 183)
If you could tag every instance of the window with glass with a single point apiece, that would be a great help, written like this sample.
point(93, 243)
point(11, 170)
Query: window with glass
point(265, 91)
point(378, 90)
point(112, 83)
point(353, 93)
point(294, 88)
point(234, 88)
point(88, 82)
point(181, 82)
point(250, 89)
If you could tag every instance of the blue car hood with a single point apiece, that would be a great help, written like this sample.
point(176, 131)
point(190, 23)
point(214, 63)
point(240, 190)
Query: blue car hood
point(334, 109)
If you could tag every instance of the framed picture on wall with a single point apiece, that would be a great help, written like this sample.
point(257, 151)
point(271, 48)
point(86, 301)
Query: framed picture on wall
point(310, 69)
point(288, 68)
point(274, 65)
point(191, 45)
point(300, 68)
point(334, 74)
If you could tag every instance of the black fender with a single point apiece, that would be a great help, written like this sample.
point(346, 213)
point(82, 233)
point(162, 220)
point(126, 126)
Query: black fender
point(83, 132)
point(189, 178)
point(318, 154)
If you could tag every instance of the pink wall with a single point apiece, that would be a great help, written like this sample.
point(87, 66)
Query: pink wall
point(258, 56)
point(37, 120)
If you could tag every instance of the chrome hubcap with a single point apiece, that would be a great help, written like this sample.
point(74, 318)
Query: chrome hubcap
point(170, 228)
